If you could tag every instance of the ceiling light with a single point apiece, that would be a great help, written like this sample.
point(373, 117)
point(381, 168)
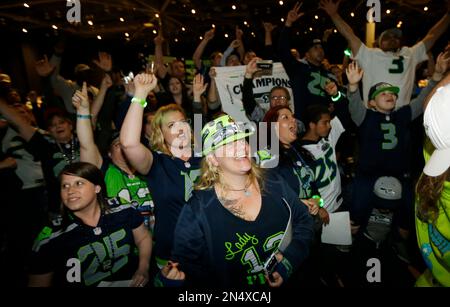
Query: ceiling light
point(157, 15)
point(226, 35)
point(193, 11)
point(316, 17)
point(127, 35)
point(281, 2)
point(24, 30)
point(388, 11)
point(121, 19)
point(155, 32)
point(352, 14)
point(425, 8)
point(99, 37)
point(183, 29)
point(26, 5)
point(90, 22)
point(233, 7)
point(282, 19)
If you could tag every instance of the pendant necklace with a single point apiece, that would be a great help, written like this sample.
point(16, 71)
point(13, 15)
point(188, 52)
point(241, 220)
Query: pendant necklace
point(247, 193)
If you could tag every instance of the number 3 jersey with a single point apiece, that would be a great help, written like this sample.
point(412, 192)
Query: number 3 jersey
point(327, 177)
point(395, 68)
point(82, 256)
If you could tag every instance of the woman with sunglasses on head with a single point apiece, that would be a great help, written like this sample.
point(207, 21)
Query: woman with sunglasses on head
point(237, 220)
point(94, 243)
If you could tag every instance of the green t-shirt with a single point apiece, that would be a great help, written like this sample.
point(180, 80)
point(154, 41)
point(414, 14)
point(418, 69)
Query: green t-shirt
point(434, 239)
point(130, 189)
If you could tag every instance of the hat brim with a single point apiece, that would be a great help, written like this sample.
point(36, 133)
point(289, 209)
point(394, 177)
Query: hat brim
point(230, 139)
point(438, 163)
point(393, 89)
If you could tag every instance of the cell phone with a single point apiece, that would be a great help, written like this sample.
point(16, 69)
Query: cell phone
point(265, 68)
point(129, 78)
point(270, 264)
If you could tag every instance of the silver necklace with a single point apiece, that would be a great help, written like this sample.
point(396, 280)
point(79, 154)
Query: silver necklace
point(247, 193)
point(70, 145)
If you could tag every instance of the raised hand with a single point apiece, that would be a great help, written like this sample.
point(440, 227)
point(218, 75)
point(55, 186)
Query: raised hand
point(104, 61)
point(294, 14)
point(354, 73)
point(442, 63)
point(269, 27)
point(43, 67)
point(80, 100)
point(209, 34)
point(251, 67)
point(329, 6)
point(239, 33)
point(106, 82)
point(235, 44)
point(143, 84)
point(198, 87)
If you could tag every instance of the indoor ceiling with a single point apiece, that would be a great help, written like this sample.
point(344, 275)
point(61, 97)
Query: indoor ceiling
point(143, 18)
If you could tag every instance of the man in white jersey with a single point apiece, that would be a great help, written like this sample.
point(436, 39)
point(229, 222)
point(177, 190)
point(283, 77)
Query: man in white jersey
point(390, 62)
point(320, 139)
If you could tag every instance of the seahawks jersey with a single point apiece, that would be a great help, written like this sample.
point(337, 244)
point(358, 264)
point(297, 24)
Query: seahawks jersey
point(384, 141)
point(93, 254)
point(397, 69)
point(171, 181)
point(129, 189)
point(327, 177)
point(217, 248)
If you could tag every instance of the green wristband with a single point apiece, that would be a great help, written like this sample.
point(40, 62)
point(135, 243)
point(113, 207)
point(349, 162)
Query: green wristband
point(84, 116)
point(320, 200)
point(141, 102)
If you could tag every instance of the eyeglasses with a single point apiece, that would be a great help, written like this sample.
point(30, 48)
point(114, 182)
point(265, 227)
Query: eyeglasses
point(278, 98)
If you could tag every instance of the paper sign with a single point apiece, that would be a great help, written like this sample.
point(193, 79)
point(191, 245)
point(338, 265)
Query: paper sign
point(338, 230)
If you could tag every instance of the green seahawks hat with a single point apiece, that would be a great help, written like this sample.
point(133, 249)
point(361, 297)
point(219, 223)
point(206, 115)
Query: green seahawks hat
point(221, 131)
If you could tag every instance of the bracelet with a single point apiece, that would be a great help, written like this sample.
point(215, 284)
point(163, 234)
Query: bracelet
point(84, 116)
point(141, 102)
point(337, 97)
point(320, 200)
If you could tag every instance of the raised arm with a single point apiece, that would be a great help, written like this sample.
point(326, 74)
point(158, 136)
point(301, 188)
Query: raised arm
point(88, 150)
point(213, 99)
point(240, 48)
point(197, 57)
point(356, 105)
point(161, 70)
point(331, 8)
point(284, 44)
point(248, 100)
point(13, 117)
point(418, 104)
point(437, 30)
point(138, 155)
point(100, 98)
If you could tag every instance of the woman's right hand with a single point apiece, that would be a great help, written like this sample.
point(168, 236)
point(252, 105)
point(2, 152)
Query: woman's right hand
point(144, 83)
point(251, 68)
point(80, 100)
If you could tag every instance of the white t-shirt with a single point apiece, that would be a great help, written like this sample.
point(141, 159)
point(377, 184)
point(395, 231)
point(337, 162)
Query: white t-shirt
point(395, 68)
point(327, 175)
point(28, 170)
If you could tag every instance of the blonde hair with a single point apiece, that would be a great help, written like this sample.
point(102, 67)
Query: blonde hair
point(210, 175)
point(156, 135)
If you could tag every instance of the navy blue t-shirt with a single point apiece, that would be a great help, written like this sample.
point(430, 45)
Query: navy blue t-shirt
point(216, 248)
point(105, 254)
point(171, 181)
point(384, 143)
